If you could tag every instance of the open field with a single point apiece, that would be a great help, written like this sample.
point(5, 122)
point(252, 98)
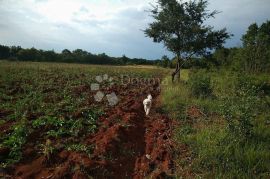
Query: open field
point(52, 126)
point(162, 89)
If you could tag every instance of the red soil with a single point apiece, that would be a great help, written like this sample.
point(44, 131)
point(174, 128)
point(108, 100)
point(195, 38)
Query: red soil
point(194, 112)
point(127, 145)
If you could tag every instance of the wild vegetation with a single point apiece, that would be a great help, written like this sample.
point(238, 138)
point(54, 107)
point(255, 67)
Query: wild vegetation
point(224, 120)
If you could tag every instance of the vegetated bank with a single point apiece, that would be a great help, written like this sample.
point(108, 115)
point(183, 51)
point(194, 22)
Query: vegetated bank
point(223, 110)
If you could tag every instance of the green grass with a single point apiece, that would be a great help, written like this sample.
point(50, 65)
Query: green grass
point(218, 150)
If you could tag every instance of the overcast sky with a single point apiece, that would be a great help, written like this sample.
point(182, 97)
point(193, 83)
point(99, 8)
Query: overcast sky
point(110, 26)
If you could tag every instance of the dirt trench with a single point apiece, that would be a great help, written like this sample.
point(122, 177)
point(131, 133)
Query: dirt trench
point(127, 145)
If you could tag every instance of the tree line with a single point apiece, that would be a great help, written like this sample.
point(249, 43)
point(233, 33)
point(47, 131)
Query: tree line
point(253, 56)
point(17, 53)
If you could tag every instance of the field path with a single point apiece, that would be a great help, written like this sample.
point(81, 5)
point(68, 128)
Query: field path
point(133, 144)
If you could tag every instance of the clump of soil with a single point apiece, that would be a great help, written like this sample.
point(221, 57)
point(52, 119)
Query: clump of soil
point(194, 112)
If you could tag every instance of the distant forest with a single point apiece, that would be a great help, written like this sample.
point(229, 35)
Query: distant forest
point(17, 53)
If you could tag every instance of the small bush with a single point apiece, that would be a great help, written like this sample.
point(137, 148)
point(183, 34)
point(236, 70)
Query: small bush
point(200, 84)
point(261, 84)
point(241, 108)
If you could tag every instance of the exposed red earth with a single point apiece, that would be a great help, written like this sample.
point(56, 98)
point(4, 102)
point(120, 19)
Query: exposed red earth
point(127, 144)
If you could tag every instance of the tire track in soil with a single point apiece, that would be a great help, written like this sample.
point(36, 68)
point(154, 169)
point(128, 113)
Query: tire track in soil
point(127, 145)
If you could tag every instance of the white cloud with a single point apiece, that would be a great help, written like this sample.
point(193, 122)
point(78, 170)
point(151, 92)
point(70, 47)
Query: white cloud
point(236, 16)
point(111, 26)
point(98, 25)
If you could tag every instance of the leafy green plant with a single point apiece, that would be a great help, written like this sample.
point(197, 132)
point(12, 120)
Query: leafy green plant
point(90, 119)
point(80, 148)
point(47, 149)
point(48, 120)
point(70, 126)
point(15, 142)
point(57, 132)
point(2, 121)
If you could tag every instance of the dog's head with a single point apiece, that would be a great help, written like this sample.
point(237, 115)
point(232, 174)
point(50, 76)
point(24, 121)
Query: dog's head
point(149, 97)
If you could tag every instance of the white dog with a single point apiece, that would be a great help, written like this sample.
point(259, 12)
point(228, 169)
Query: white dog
point(147, 104)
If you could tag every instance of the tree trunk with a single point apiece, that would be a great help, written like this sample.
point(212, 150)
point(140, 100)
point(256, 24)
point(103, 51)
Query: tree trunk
point(176, 73)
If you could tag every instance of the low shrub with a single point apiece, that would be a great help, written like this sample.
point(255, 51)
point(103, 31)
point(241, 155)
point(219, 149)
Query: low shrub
point(200, 84)
point(241, 109)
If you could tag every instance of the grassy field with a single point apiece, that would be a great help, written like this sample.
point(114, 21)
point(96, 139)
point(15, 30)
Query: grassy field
point(224, 121)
